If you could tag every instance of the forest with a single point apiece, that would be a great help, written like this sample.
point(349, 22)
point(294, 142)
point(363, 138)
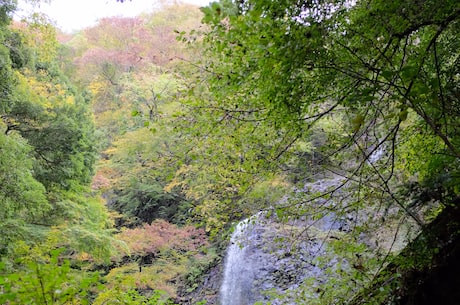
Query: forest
point(244, 153)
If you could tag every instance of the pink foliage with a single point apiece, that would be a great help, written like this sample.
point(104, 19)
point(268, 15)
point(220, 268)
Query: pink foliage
point(100, 182)
point(122, 42)
point(162, 235)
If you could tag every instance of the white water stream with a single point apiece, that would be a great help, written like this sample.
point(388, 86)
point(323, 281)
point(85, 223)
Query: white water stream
point(255, 262)
point(236, 288)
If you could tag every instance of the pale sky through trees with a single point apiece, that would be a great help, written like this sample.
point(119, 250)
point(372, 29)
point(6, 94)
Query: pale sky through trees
point(71, 15)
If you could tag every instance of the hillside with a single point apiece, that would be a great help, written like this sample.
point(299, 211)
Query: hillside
point(254, 152)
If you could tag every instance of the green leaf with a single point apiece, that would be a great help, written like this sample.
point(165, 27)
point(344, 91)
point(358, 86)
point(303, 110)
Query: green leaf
point(409, 72)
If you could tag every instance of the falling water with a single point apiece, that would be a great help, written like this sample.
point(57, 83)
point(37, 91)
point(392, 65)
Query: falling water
point(244, 263)
point(238, 275)
point(256, 262)
point(377, 154)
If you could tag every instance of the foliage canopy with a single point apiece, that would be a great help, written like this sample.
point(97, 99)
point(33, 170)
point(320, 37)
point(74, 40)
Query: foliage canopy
point(280, 93)
point(385, 74)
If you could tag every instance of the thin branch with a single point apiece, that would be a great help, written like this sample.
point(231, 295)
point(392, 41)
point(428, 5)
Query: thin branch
point(419, 110)
point(441, 94)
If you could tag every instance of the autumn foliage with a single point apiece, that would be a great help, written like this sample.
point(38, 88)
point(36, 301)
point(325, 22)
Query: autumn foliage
point(161, 235)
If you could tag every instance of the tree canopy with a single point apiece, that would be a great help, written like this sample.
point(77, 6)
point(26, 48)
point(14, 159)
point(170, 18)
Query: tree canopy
point(370, 87)
point(385, 74)
point(129, 150)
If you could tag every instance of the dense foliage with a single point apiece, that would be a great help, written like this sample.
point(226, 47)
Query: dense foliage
point(370, 87)
point(128, 150)
point(61, 105)
point(47, 142)
point(385, 74)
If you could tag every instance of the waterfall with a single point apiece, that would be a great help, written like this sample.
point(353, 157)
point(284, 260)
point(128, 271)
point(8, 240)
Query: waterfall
point(243, 264)
point(256, 261)
point(238, 276)
point(279, 261)
point(377, 154)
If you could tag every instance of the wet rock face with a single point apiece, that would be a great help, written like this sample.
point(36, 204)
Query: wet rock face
point(261, 261)
point(266, 262)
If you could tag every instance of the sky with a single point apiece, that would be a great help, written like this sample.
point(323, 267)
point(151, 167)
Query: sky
point(72, 15)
